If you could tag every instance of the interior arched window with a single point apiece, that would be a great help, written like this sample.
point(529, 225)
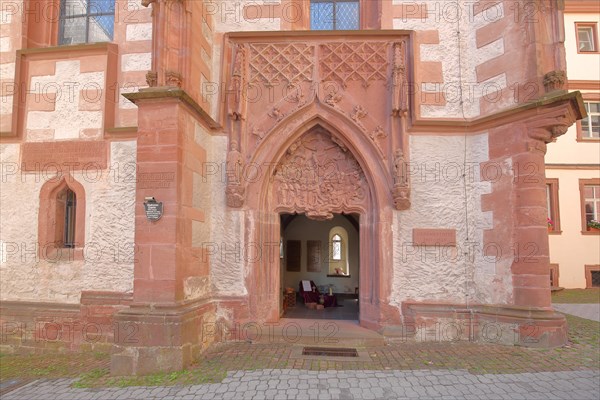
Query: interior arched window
point(338, 252)
point(336, 242)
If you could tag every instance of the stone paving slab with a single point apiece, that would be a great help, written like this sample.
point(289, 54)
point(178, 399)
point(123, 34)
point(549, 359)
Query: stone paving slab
point(588, 311)
point(302, 384)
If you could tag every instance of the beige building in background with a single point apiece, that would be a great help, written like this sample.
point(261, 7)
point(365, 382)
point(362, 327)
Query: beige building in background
point(572, 163)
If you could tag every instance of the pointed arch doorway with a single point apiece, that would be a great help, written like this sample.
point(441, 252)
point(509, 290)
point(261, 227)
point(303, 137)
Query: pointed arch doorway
point(318, 171)
point(326, 256)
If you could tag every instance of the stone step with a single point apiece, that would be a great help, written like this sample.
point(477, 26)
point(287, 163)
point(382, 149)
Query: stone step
point(321, 332)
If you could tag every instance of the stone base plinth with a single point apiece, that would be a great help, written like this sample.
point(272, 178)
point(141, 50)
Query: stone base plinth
point(506, 325)
point(161, 339)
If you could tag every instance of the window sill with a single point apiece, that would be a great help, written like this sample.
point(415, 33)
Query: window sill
point(588, 140)
point(590, 232)
point(554, 232)
point(338, 276)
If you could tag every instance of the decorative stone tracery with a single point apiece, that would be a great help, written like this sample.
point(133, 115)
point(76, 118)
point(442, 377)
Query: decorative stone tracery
point(276, 63)
point(318, 177)
point(354, 61)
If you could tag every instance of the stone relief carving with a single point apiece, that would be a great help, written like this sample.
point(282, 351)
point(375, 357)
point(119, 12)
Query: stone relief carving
point(401, 190)
point(354, 61)
point(173, 78)
point(375, 135)
point(276, 63)
point(276, 113)
point(318, 177)
point(333, 98)
point(235, 189)
point(358, 113)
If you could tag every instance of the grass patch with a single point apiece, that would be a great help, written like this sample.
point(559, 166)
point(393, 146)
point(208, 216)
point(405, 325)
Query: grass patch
point(192, 376)
point(52, 365)
point(577, 296)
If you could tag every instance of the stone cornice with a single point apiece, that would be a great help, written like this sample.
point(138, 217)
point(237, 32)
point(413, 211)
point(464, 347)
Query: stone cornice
point(523, 111)
point(158, 93)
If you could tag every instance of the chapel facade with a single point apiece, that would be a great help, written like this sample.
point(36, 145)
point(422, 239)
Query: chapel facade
point(154, 154)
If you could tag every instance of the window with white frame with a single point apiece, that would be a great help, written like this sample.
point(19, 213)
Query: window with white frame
point(334, 15)
point(590, 125)
point(591, 203)
point(86, 21)
point(586, 37)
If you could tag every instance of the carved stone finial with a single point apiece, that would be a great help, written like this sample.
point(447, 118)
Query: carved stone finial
point(152, 78)
point(554, 80)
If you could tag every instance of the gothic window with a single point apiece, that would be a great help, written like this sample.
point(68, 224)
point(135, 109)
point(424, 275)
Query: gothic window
point(334, 15)
point(61, 216)
point(67, 204)
point(86, 21)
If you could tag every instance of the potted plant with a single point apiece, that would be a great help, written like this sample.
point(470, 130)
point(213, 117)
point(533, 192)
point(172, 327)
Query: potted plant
point(550, 225)
point(593, 226)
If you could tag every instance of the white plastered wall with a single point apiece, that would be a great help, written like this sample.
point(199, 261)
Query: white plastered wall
point(439, 201)
point(109, 249)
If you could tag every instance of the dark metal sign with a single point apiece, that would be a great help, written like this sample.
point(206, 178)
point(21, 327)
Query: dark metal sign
point(153, 208)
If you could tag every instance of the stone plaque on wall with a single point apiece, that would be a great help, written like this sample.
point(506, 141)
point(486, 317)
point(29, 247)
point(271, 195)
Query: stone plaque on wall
point(293, 255)
point(313, 256)
point(434, 237)
point(64, 156)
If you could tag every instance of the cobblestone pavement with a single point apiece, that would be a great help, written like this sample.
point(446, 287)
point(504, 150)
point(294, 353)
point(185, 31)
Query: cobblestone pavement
point(588, 311)
point(302, 384)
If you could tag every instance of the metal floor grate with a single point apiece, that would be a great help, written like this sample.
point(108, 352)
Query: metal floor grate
point(329, 352)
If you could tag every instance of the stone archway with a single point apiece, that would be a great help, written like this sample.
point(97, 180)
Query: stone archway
point(319, 171)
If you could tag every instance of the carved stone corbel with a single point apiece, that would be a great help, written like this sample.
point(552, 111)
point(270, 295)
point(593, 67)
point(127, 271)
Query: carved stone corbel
point(546, 129)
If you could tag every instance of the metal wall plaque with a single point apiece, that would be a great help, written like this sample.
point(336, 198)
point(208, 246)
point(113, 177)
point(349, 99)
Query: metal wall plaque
point(153, 208)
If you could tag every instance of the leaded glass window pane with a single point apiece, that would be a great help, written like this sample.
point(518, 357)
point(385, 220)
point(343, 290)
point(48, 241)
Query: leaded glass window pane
point(86, 21)
point(334, 14)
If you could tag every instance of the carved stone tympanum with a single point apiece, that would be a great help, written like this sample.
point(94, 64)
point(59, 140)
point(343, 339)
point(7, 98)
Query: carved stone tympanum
point(319, 177)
